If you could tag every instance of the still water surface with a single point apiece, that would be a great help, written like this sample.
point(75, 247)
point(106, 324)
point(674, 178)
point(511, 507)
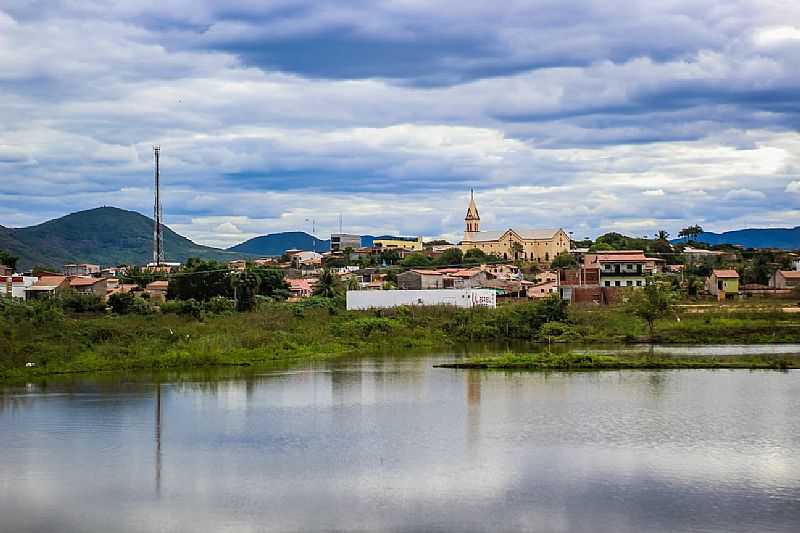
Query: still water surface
point(392, 444)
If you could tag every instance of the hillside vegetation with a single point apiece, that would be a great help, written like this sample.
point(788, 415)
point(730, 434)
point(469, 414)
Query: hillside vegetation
point(106, 236)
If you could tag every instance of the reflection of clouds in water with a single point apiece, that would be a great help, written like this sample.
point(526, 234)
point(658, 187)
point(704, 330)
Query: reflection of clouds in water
point(415, 449)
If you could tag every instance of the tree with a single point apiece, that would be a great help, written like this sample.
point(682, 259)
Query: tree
point(601, 247)
point(416, 260)
point(563, 260)
point(121, 303)
point(691, 233)
point(475, 255)
point(662, 235)
point(245, 287)
point(437, 242)
point(271, 282)
point(661, 246)
point(650, 303)
point(451, 256)
point(326, 285)
point(201, 280)
point(517, 250)
point(8, 260)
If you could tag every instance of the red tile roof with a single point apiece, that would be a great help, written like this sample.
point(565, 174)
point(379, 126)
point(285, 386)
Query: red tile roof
point(620, 257)
point(790, 274)
point(427, 272)
point(726, 273)
point(82, 281)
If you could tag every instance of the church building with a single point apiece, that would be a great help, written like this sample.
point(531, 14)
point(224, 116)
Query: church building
point(541, 245)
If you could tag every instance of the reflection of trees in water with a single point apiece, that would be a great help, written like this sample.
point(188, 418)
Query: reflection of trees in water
point(12, 401)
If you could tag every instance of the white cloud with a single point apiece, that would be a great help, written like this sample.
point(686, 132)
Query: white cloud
point(653, 192)
point(745, 195)
point(793, 186)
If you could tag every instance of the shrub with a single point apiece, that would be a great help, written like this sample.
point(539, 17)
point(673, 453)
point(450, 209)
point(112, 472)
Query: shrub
point(77, 302)
point(121, 303)
point(140, 306)
point(219, 305)
point(190, 307)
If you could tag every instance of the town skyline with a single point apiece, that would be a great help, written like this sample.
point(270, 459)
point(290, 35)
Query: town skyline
point(388, 113)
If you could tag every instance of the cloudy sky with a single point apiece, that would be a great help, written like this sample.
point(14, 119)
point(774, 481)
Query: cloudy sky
point(580, 114)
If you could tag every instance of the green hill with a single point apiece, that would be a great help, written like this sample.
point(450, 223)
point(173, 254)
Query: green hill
point(105, 236)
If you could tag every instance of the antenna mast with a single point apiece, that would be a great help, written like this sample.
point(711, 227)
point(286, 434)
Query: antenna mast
point(158, 236)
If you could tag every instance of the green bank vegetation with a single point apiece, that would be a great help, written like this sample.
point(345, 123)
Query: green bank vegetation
point(576, 361)
point(75, 334)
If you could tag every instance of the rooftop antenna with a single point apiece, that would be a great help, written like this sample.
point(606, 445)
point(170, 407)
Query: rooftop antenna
point(158, 236)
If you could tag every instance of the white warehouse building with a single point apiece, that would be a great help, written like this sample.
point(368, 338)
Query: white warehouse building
point(465, 298)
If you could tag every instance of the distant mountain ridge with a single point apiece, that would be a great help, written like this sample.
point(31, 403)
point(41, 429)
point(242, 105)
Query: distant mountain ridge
point(277, 243)
point(106, 236)
point(785, 238)
point(274, 244)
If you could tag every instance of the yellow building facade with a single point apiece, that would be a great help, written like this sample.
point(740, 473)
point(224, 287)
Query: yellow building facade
point(403, 244)
point(541, 245)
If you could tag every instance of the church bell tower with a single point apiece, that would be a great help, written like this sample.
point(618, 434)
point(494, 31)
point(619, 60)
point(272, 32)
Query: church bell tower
point(472, 221)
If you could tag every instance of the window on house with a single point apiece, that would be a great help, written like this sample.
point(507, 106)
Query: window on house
point(618, 283)
point(639, 283)
point(630, 283)
point(608, 283)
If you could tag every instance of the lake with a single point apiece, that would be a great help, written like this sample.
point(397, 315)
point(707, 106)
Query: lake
point(389, 443)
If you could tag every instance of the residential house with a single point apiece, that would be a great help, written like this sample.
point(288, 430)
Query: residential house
point(724, 284)
point(543, 289)
point(541, 245)
point(300, 288)
point(305, 259)
point(47, 287)
point(619, 268)
point(121, 288)
point(470, 278)
point(89, 285)
point(785, 279)
point(420, 280)
point(15, 286)
point(157, 290)
point(503, 271)
point(699, 254)
point(238, 265)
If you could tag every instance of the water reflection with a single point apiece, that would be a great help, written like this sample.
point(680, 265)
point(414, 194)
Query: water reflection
point(391, 444)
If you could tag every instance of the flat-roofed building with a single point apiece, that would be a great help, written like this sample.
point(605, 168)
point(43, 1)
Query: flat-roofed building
point(420, 280)
point(342, 241)
point(413, 244)
point(81, 269)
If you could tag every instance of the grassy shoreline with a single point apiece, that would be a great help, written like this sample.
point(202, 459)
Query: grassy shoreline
point(60, 343)
point(574, 361)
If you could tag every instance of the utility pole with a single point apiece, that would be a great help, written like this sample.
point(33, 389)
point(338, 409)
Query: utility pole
point(313, 232)
point(158, 236)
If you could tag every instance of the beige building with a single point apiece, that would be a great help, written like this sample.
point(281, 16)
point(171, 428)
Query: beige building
point(541, 245)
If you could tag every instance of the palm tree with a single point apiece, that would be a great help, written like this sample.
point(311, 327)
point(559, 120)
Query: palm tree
point(326, 285)
point(662, 235)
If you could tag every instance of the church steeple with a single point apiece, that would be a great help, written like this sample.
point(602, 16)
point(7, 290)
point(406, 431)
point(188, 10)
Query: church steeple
point(473, 220)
